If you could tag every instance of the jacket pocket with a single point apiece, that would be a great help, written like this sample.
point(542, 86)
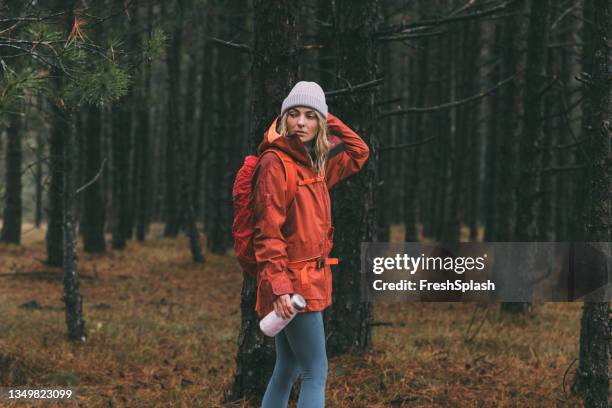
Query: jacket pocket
point(307, 280)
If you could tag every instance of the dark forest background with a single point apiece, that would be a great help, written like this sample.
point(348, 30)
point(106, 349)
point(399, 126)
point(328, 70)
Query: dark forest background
point(487, 121)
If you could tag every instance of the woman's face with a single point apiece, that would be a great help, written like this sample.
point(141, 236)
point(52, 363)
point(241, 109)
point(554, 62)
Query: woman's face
point(302, 121)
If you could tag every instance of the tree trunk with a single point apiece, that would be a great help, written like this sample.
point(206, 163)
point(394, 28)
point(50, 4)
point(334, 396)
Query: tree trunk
point(274, 71)
point(54, 237)
point(65, 141)
point(11, 226)
point(528, 160)
point(40, 151)
point(174, 129)
point(219, 198)
point(451, 231)
point(412, 166)
point(492, 145)
point(592, 375)
point(92, 224)
point(354, 200)
point(472, 128)
point(504, 197)
point(544, 205)
point(72, 294)
point(142, 145)
point(442, 155)
point(121, 168)
point(383, 189)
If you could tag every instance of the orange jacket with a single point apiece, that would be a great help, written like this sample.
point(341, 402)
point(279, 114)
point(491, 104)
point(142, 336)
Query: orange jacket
point(288, 242)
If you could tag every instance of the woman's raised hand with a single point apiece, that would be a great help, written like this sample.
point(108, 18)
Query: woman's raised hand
point(283, 306)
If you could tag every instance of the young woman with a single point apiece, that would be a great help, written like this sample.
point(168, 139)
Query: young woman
point(293, 239)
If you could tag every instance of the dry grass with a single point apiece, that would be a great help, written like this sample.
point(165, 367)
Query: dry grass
point(163, 332)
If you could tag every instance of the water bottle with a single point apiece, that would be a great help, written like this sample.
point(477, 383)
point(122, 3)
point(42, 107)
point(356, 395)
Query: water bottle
point(272, 324)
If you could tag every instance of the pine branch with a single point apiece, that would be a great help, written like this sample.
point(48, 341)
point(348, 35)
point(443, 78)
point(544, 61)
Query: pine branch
point(449, 19)
point(93, 180)
point(447, 105)
point(241, 47)
point(560, 169)
point(405, 145)
point(352, 88)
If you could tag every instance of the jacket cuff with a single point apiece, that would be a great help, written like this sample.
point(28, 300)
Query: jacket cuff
point(281, 284)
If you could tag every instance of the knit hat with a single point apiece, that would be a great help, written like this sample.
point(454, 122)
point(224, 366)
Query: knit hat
point(306, 93)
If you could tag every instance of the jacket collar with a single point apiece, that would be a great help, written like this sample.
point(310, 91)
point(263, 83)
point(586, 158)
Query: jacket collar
point(292, 145)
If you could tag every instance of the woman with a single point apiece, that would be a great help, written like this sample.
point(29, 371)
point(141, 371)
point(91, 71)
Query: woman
point(293, 239)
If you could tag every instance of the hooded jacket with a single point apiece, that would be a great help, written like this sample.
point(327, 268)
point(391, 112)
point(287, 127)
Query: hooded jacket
point(290, 243)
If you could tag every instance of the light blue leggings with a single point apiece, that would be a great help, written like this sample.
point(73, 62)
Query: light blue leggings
point(300, 350)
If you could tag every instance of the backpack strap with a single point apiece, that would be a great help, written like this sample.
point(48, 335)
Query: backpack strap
point(290, 173)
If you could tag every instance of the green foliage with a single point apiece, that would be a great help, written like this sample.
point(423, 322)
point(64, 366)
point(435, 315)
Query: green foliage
point(87, 66)
point(15, 86)
point(43, 33)
point(107, 82)
point(156, 45)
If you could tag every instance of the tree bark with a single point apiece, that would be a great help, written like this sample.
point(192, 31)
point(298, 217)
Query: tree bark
point(54, 237)
point(142, 144)
point(40, 151)
point(274, 71)
point(72, 294)
point(92, 224)
point(472, 128)
point(413, 165)
point(528, 160)
point(11, 226)
point(349, 318)
point(492, 144)
point(121, 167)
point(592, 375)
point(504, 197)
point(451, 229)
point(443, 154)
point(65, 196)
point(219, 198)
point(174, 129)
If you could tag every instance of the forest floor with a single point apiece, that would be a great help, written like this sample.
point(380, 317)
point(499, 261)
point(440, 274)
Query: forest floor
point(163, 332)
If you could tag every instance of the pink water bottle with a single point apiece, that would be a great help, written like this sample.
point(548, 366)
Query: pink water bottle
point(272, 324)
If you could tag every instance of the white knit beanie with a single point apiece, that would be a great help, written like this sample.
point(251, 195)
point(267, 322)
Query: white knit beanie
point(306, 93)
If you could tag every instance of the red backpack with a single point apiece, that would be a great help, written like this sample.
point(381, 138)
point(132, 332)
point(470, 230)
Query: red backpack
point(242, 198)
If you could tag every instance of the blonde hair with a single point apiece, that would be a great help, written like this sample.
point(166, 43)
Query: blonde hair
point(322, 145)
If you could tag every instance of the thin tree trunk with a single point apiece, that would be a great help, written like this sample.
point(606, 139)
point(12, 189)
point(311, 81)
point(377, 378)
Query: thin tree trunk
point(592, 375)
point(508, 104)
point(40, 151)
point(120, 143)
point(451, 231)
point(383, 189)
point(92, 224)
point(11, 226)
point(472, 130)
point(204, 126)
point(492, 146)
point(528, 160)
point(544, 206)
point(174, 129)
point(412, 166)
point(72, 294)
point(218, 199)
point(65, 196)
point(54, 236)
point(142, 145)
point(444, 137)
